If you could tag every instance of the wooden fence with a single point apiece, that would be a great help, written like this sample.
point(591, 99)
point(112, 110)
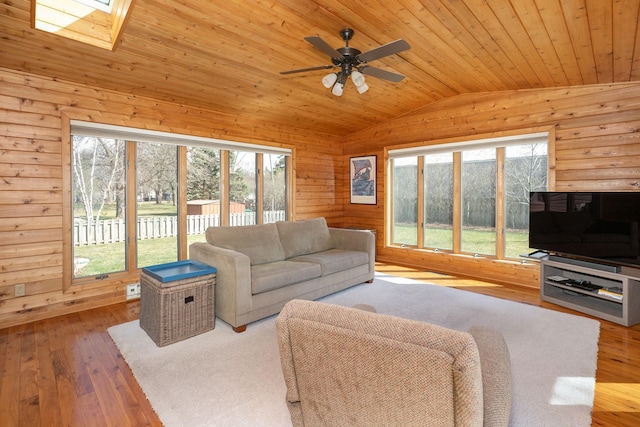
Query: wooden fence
point(157, 227)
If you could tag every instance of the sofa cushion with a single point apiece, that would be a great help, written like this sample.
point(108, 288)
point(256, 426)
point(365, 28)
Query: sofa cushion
point(304, 237)
point(260, 243)
point(266, 277)
point(334, 260)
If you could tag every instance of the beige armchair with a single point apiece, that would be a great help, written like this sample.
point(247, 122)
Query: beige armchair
point(344, 366)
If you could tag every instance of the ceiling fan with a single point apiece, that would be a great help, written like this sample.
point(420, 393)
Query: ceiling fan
point(352, 62)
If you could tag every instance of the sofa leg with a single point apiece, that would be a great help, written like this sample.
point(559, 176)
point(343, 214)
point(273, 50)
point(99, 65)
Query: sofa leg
point(369, 281)
point(240, 328)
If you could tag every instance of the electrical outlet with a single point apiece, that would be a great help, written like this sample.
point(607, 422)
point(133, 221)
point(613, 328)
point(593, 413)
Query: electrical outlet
point(21, 290)
point(133, 291)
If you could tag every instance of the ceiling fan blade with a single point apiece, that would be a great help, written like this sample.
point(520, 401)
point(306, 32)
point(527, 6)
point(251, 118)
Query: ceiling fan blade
point(324, 47)
point(384, 50)
point(302, 70)
point(381, 74)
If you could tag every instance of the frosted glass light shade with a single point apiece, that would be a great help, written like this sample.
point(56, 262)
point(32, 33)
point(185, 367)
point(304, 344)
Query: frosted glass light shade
point(358, 78)
point(337, 89)
point(329, 80)
point(362, 88)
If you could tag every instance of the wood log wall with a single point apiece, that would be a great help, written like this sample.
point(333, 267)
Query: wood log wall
point(32, 116)
point(597, 149)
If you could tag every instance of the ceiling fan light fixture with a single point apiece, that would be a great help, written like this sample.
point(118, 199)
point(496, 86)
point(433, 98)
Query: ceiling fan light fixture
point(358, 78)
point(329, 80)
point(362, 88)
point(337, 89)
point(350, 61)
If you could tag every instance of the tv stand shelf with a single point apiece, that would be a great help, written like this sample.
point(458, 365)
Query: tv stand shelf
point(624, 311)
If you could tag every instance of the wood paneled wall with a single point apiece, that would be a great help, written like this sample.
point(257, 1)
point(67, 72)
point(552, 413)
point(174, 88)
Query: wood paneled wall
point(597, 148)
point(32, 121)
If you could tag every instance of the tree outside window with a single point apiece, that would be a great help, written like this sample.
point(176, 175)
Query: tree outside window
point(114, 223)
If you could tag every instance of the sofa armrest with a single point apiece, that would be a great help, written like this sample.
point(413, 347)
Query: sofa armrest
point(233, 279)
point(355, 240)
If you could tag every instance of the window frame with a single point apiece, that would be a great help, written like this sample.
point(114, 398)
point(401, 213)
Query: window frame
point(132, 136)
point(498, 141)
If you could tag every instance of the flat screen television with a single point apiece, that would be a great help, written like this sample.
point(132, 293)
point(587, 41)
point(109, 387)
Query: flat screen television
point(593, 226)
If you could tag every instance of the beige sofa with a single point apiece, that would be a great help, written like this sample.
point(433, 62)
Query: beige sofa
point(348, 367)
point(262, 267)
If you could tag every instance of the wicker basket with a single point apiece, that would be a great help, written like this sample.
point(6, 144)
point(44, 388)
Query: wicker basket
point(173, 311)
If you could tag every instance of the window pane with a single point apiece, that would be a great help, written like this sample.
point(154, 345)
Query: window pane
point(438, 201)
point(479, 201)
point(274, 201)
point(242, 188)
point(157, 204)
point(525, 170)
point(99, 231)
point(405, 201)
point(203, 192)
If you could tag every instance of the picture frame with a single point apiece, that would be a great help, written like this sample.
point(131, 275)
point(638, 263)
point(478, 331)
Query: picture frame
point(362, 178)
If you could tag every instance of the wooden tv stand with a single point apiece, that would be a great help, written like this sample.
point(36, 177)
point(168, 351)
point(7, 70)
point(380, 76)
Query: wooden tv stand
point(624, 311)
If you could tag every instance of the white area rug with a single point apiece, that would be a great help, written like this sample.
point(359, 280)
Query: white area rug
point(221, 378)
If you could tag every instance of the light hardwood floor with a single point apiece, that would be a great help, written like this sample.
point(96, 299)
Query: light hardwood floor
point(67, 371)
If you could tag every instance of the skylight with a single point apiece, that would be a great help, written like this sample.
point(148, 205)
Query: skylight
point(103, 5)
point(95, 22)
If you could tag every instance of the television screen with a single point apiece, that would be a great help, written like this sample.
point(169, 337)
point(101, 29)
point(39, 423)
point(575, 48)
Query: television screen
point(600, 226)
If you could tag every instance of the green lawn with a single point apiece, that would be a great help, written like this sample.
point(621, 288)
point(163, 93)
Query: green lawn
point(110, 257)
point(479, 241)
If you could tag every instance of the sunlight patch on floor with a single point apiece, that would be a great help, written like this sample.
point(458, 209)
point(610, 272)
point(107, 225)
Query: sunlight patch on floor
point(470, 284)
point(438, 279)
point(617, 397)
point(572, 391)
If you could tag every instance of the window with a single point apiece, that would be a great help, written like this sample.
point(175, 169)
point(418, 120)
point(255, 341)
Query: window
point(438, 201)
point(525, 169)
point(473, 196)
point(203, 191)
point(405, 199)
point(103, 5)
point(274, 184)
point(478, 201)
point(128, 209)
point(99, 205)
point(243, 187)
point(156, 214)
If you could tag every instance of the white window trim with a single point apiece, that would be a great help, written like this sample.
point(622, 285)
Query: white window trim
point(158, 137)
point(503, 141)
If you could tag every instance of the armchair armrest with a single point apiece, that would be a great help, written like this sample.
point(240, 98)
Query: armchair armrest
point(496, 375)
point(233, 279)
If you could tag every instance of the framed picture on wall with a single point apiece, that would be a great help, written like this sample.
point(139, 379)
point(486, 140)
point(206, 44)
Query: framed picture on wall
point(363, 180)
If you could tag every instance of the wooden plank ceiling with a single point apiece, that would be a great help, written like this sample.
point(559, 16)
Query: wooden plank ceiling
point(227, 55)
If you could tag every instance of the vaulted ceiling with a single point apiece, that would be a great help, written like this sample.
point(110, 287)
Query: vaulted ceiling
point(227, 55)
